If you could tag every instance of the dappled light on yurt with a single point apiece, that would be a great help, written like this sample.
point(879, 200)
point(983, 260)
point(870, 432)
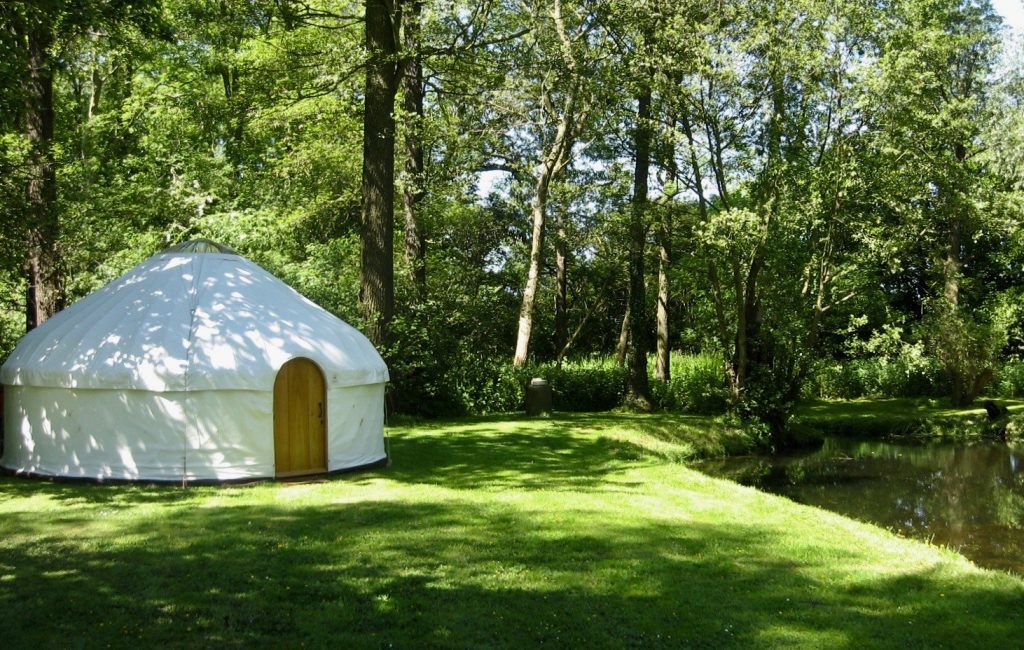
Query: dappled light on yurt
point(168, 373)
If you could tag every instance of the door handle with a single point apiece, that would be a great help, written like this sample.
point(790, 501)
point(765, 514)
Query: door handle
point(320, 407)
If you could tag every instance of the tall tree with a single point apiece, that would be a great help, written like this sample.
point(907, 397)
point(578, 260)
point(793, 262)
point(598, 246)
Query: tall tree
point(414, 191)
point(930, 101)
point(377, 273)
point(39, 28)
point(776, 224)
point(561, 282)
point(654, 43)
point(663, 353)
point(638, 387)
point(556, 154)
point(44, 297)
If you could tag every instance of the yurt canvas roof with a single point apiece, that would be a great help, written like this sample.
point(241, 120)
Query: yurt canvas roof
point(194, 317)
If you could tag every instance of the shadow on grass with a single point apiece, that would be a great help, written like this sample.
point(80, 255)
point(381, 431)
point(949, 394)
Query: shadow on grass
point(74, 493)
point(692, 436)
point(564, 452)
point(535, 453)
point(416, 570)
point(439, 574)
point(548, 454)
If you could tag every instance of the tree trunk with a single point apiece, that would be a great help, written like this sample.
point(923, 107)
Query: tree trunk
point(754, 352)
point(561, 288)
point(718, 167)
point(739, 366)
point(533, 274)
point(555, 159)
point(622, 347)
point(952, 265)
point(663, 362)
point(415, 190)
point(662, 368)
point(638, 385)
point(961, 386)
point(91, 103)
point(376, 269)
point(713, 279)
point(95, 92)
point(576, 333)
point(44, 296)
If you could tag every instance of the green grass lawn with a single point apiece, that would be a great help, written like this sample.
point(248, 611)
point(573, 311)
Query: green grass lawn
point(573, 531)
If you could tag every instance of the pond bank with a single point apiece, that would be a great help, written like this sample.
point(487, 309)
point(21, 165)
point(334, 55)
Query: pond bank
point(886, 418)
point(968, 497)
point(681, 438)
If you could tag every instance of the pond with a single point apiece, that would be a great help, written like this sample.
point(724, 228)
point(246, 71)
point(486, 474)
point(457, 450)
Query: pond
point(967, 497)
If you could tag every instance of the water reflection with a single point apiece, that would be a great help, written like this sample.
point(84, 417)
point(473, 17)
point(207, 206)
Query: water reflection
point(970, 498)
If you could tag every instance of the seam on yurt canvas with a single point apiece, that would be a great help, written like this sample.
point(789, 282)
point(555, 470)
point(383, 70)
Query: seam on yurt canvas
point(197, 273)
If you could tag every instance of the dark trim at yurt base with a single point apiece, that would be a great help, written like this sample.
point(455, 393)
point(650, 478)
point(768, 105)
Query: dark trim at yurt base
point(204, 482)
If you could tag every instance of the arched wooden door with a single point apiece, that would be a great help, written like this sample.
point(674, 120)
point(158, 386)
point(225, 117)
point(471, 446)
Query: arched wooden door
point(300, 419)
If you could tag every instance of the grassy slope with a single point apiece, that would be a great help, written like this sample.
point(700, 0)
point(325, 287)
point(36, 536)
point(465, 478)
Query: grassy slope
point(887, 416)
point(570, 532)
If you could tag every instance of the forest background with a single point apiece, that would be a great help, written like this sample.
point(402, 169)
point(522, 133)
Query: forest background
point(683, 205)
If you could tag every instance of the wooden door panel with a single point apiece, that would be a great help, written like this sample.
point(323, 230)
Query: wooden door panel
point(300, 404)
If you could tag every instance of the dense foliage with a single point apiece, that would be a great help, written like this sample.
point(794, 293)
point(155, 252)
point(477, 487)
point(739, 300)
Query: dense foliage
point(830, 205)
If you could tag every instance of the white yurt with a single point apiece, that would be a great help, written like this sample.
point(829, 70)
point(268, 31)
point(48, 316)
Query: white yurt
point(196, 365)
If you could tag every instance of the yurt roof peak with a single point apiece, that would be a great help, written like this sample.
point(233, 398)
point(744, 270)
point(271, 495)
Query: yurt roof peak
point(200, 246)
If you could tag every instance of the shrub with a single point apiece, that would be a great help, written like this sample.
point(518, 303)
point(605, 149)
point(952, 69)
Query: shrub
point(422, 369)
point(464, 384)
point(1010, 382)
point(878, 377)
point(490, 386)
point(889, 363)
point(968, 345)
point(430, 383)
point(586, 384)
point(696, 385)
point(582, 385)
